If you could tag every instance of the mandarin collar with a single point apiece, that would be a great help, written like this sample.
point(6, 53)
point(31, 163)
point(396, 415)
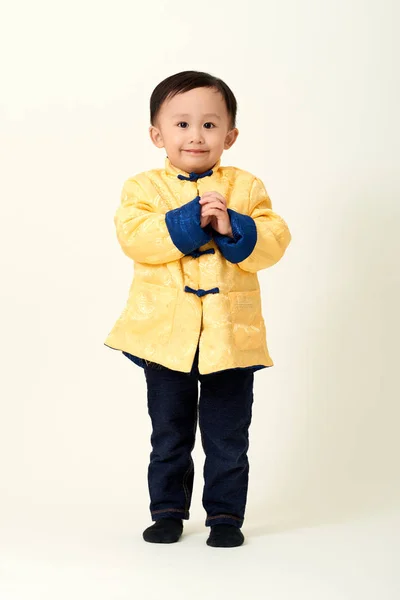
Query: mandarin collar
point(170, 169)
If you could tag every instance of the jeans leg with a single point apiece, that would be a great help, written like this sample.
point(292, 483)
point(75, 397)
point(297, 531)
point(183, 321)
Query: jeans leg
point(225, 411)
point(172, 400)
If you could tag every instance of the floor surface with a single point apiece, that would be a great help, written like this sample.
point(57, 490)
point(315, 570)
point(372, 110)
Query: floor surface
point(53, 560)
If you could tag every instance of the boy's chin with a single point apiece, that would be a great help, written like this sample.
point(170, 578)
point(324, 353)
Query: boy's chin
point(197, 164)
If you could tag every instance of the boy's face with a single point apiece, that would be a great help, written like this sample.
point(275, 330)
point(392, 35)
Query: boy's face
point(194, 128)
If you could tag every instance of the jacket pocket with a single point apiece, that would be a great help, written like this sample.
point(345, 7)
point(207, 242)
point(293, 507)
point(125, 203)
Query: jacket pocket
point(247, 320)
point(151, 311)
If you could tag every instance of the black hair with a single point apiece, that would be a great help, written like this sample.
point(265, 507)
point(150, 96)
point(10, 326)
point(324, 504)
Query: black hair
point(189, 80)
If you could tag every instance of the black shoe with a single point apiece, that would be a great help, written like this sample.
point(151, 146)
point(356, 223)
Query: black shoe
point(164, 531)
point(225, 535)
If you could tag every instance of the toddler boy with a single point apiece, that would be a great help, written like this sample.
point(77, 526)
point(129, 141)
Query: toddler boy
point(198, 233)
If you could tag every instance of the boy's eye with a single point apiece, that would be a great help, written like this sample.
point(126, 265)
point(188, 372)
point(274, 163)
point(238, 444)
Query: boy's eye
point(207, 125)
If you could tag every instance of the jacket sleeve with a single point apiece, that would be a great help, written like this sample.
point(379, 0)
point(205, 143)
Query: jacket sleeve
point(148, 236)
point(260, 238)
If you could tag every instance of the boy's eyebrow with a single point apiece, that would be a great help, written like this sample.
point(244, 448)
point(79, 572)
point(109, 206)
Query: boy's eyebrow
point(187, 115)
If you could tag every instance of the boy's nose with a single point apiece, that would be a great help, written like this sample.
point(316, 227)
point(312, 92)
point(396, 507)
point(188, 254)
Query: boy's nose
point(197, 137)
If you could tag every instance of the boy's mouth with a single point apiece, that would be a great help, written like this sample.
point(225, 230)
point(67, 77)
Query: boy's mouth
point(196, 151)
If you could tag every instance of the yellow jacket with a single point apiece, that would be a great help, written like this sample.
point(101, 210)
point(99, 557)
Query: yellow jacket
point(193, 286)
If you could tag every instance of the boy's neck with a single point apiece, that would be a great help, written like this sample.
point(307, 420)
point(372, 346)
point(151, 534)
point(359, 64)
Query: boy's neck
point(192, 175)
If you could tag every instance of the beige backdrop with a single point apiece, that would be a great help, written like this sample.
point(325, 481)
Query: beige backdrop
point(317, 85)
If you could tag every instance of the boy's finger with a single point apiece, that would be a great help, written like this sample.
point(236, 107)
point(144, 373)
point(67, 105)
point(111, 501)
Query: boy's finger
point(217, 203)
point(213, 211)
point(212, 199)
point(210, 196)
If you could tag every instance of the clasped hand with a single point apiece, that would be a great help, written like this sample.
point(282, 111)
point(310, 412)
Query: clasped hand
point(214, 211)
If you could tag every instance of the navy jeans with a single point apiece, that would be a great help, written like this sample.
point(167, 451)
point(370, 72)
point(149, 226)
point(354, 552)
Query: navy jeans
point(223, 412)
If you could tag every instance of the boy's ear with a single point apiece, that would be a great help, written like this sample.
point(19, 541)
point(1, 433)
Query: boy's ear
point(231, 138)
point(156, 137)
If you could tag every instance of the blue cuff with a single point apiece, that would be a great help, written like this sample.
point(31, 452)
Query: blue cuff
point(183, 224)
point(244, 238)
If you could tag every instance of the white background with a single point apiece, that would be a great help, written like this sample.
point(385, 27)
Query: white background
point(317, 84)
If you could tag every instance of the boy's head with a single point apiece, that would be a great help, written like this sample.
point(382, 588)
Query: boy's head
point(193, 111)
